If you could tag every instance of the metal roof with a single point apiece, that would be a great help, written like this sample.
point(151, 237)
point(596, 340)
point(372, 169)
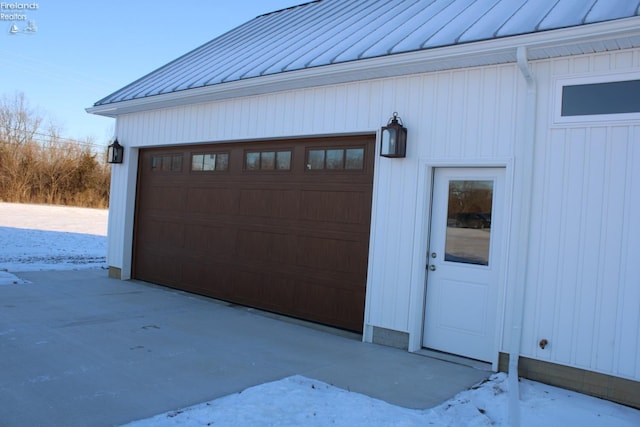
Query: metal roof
point(325, 32)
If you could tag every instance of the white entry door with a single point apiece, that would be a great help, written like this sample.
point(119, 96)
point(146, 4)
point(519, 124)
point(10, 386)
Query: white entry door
point(463, 261)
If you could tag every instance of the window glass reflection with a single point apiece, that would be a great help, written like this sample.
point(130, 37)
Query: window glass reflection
point(222, 162)
point(268, 160)
point(283, 160)
point(316, 159)
point(252, 161)
point(335, 159)
point(355, 158)
point(469, 222)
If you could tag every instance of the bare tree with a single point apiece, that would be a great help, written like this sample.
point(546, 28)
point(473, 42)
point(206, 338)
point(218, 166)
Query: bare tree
point(40, 166)
point(18, 121)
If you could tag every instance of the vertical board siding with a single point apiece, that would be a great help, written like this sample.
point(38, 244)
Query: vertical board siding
point(629, 333)
point(584, 317)
point(583, 280)
point(115, 231)
point(316, 111)
point(583, 286)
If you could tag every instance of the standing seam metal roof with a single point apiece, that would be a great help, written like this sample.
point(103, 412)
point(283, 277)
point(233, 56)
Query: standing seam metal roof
point(325, 32)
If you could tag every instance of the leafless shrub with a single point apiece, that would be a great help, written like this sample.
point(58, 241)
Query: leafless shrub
point(39, 166)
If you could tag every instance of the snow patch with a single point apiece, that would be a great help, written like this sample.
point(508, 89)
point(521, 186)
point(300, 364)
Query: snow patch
point(43, 237)
point(7, 278)
point(298, 400)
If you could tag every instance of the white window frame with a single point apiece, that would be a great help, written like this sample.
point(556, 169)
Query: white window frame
point(561, 82)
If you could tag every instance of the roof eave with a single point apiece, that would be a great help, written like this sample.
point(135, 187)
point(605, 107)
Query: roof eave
point(547, 44)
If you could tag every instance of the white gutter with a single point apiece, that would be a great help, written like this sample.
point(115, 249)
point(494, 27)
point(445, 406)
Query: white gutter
point(524, 150)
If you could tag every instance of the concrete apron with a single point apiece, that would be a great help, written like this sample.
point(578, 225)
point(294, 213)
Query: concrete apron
point(80, 349)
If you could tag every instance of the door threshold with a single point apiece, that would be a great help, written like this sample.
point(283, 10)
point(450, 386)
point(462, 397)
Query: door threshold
point(453, 358)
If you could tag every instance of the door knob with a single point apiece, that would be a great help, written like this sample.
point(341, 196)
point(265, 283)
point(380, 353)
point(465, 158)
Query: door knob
point(432, 267)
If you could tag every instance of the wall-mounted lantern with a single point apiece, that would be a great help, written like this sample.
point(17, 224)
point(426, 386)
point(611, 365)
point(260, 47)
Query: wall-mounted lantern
point(115, 152)
point(394, 138)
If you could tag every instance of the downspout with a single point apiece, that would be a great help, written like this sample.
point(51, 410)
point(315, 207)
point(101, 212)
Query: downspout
point(525, 150)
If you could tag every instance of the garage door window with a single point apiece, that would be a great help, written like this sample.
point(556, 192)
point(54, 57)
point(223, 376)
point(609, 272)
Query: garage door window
point(335, 159)
point(166, 163)
point(268, 160)
point(210, 162)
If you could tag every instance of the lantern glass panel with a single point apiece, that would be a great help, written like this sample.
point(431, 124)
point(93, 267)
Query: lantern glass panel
point(115, 153)
point(389, 141)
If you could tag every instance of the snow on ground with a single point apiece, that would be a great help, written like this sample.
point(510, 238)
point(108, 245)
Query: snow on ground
point(7, 278)
point(39, 237)
point(300, 401)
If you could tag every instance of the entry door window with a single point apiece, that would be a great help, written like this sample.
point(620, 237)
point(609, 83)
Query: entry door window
point(468, 235)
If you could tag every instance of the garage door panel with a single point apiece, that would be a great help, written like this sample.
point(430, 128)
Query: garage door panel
point(293, 241)
point(160, 268)
point(208, 278)
point(265, 290)
point(352, 207)
point(269, 203)
point(329, 306)
point(331, 254)
point(212, 200)
point(266, 246)
point(164, 198)
point(165, 233)
point(211, 240)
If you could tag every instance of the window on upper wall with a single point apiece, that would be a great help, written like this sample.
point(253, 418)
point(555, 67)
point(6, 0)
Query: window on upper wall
point(210, 162)
point(166, 163)
point(600, 98)
point(335, 159)
point(268, 160)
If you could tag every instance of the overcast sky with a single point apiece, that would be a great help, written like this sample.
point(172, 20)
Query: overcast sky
point(64, 55)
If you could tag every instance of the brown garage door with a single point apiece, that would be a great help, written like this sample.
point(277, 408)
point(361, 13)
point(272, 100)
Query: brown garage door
point(282, 226)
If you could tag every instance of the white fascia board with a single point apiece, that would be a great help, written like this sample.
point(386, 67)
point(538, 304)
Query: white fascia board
point(494, 51)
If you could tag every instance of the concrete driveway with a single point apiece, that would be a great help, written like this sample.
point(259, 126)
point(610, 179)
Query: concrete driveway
point(80, 349)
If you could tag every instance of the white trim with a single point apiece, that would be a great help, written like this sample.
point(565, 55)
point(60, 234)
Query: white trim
point(417, 297)
point(424, 196)
point(503, 304)
point(129, 212)
point(561, 82)
point(367, 330)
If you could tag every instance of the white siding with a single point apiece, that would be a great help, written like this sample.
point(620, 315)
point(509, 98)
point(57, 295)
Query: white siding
point(583, 288)
point(121, 213)
point(336, 110)
point(583, 282)
point(447, 119)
